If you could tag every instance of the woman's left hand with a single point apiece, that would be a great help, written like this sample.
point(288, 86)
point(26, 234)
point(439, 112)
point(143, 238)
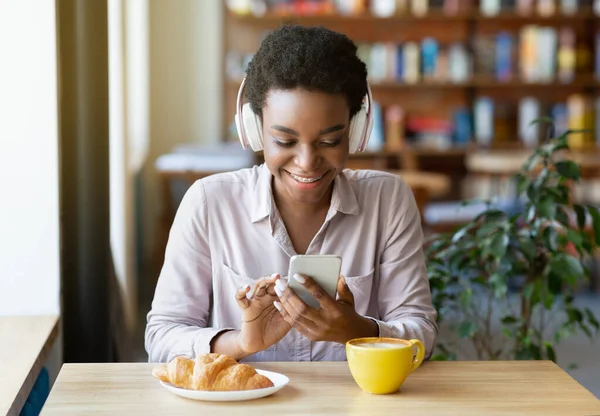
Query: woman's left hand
point(335, 321)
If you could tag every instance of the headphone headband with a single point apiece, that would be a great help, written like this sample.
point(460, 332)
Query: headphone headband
point(367, 107)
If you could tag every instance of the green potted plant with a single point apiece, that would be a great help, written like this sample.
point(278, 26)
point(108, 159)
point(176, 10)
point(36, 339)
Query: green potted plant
point(504, 282)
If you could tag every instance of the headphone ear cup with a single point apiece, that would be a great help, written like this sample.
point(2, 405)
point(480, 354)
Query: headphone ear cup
point(253, 128)
point(357, 126)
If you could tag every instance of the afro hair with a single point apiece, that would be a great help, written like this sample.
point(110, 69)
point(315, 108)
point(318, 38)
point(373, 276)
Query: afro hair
point(311, 58)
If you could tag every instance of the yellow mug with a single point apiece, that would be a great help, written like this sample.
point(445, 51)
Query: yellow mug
point(380, 365)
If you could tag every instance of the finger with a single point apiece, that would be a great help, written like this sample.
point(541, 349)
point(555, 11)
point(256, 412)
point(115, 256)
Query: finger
point(297, 309)
point(260, 287)
point(326, 301)
point(241, 298)
point(295, 321)
point(344, 293)
point(261, 290)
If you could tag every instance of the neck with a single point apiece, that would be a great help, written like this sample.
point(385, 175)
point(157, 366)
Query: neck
point(297, 209)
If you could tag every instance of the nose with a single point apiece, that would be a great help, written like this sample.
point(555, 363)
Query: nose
point(307, 158)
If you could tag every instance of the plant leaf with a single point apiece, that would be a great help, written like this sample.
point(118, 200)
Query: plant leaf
point(498, 245)
point(574, 315)
point(461, 233)
point(467, 329)
point(567, 267)
point(507, 320)
point(593, 211)
point(550, 353)
point(498, 282)
point(574, 237)
point(550, 238)
point(591, 318)
point(562, 217)
point(539, 120)
point(547, 208)
point(580, 211)
point(531, 213)
point(528, 248)
point(568, 169)
point(523, 354)
point(554, 284)
point(522, 182)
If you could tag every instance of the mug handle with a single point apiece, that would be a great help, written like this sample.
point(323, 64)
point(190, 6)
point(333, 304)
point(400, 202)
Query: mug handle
point(418, 359)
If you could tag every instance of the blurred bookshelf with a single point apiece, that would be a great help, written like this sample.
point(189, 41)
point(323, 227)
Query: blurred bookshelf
point(448, 76)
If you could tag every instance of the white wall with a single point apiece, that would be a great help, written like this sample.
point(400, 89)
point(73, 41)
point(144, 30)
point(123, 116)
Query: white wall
point(29, 164)
point(29, 174)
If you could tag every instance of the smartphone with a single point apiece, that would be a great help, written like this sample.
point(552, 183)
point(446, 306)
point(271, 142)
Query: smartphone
point(323, 269)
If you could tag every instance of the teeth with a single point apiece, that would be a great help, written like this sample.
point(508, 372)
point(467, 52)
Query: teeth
point(304, 180)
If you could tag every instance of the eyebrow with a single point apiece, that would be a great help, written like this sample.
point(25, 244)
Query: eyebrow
point(287, 130)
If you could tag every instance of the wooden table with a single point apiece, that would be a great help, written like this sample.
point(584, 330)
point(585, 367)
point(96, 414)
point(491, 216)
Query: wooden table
point(436, 184)
point(327, 388)
point(25, 342)
point(508, 163)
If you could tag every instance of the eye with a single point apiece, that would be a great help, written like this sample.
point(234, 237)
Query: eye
point(283, 143)
point(332, 143)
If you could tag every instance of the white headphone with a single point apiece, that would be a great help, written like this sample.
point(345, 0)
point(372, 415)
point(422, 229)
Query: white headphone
point(249, 126)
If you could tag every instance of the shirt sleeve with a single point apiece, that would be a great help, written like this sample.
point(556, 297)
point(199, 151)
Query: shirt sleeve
point(404, 295)
point(177, 324)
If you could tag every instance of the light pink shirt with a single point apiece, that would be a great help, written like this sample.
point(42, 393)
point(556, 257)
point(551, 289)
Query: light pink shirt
point(228, 233)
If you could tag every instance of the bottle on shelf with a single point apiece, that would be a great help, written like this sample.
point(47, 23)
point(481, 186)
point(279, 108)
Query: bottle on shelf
point(546, 8)
point(597, 56)
point(529, 110)
point(429, 57)
point(489, 7)
point(394, 128)
point(411, 63)
point(483, 115)
point(597, 118)
point(569, 7)
point(524, 7)
point(459, 63)
point(420, 7)
point(383, 8)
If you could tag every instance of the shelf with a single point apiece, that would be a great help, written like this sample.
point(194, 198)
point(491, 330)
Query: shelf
point(498, 148)
point(511, 17)
point(583, 81)
point(433, 16)
point(271, 18)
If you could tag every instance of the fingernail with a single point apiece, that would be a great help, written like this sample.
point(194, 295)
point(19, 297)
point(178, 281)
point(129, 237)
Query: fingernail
point(274, 275)
point(249, 295)
point(278, 291)
point(299, 278)
point(281, 285)
point(277, 306)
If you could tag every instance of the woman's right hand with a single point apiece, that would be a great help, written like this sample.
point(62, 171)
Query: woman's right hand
point(262, 324)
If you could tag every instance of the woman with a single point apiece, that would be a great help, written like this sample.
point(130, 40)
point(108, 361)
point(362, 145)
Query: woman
point(221, 287)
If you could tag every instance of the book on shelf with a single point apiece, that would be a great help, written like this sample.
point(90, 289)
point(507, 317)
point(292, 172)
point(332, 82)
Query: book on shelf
point(566, 55)
point(597, 119)
point(580, 117)
point(504, 56)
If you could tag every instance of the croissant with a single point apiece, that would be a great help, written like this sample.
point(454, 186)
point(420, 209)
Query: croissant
point(210, 372)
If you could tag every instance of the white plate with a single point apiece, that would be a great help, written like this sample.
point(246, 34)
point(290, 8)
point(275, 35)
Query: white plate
point(279, 381)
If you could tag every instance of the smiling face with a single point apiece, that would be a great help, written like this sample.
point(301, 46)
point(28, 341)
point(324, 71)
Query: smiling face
point(305, 143)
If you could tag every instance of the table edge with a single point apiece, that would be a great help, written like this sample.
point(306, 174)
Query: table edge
point(27, 384)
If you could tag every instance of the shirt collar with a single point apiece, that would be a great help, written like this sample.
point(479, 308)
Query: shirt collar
point(343, 199)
